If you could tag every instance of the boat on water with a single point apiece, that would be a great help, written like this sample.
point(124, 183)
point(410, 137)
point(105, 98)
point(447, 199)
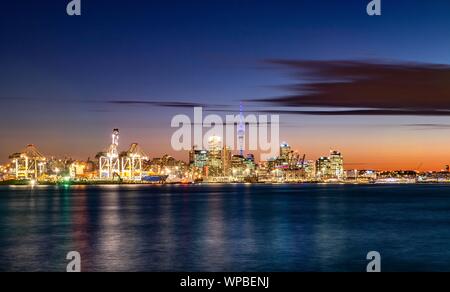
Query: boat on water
point(155, 179)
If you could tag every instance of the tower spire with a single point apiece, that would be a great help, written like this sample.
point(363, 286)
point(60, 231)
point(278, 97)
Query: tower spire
point(241, 129)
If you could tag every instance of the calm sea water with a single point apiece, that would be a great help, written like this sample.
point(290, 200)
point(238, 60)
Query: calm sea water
point(225, 227)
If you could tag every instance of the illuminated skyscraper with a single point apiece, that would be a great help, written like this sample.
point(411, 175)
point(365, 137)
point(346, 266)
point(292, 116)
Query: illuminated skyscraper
point(200, 159)
point(336, 165)
point(250, 165)
point(331, 167)
point(285, 151)
point(226, 161)
point(215, 168)
point(192, 154)
point(288, 158)
point(323, 167)
point(238, 167)
point(214, 144)
point(310, 169)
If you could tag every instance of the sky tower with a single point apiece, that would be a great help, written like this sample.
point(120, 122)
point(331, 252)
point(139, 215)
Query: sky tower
point(241, 130)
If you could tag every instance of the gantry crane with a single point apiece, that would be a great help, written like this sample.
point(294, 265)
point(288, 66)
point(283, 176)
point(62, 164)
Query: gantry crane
point(29, 164)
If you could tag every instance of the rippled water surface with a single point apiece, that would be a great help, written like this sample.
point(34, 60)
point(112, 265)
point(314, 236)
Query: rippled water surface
point(225, 227)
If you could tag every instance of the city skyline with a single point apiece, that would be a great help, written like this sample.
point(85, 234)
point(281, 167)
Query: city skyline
point(185, 155)
point(212, 163)
point(134, 67)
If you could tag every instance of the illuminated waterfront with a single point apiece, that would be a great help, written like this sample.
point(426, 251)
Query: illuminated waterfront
point(225, 227)
point(216, 164)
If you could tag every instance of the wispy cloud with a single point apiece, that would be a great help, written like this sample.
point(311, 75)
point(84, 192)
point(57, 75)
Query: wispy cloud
point(173, 104)
point(374, 112)
point(365, 88)
point(207, 107)
point(428, 126)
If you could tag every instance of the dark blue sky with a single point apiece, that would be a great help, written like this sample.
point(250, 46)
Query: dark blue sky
point(59, 73)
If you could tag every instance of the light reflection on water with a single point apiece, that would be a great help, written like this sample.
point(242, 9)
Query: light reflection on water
point(225, 227)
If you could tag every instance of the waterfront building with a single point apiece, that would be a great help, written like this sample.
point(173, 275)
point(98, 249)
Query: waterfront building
point(215, 165)
point(272, 163)
point(3, 172)
point(402, 176)
point(361, 176)
point(214, 144)
point(57, 167)
point(435, 177)
point(238, 167)
point(309, 167)
point(331, 167)
point(336, 165)
point(77, 170)
point(198, 164)
point(263, 172)
point(323, 168)
point(226, 161)
point(83, 170)
point(200, 159)
point(288, 159)
point(192, 154)
point(168, 168)
point(285, 151)
point(250, 166)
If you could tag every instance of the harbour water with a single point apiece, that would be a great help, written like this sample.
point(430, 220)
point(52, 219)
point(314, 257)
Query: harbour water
point(228, 228)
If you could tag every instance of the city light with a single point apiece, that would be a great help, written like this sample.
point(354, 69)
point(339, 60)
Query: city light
point(217, 164)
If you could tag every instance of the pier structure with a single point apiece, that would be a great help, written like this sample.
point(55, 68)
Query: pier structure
point(28, 164)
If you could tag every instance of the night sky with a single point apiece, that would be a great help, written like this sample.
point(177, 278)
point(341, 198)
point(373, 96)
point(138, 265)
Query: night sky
point(375, 88)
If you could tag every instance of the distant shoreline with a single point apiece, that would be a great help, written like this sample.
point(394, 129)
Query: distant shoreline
point(111, 183)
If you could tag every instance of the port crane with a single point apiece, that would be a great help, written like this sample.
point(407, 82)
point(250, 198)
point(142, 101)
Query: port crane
point(127, 165)
point(28, 164)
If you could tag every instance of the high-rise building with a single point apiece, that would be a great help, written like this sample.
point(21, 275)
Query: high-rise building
point(285, 151)
point(200, 159)
point(215, 166)
point(288, 158)
point(192, 154)
point(336, 165)
point(226, 161)
point(310, 169)
point(214, 144)
point(323, 168)
point(331, 167)
point(250, 165)
point(238, 167)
